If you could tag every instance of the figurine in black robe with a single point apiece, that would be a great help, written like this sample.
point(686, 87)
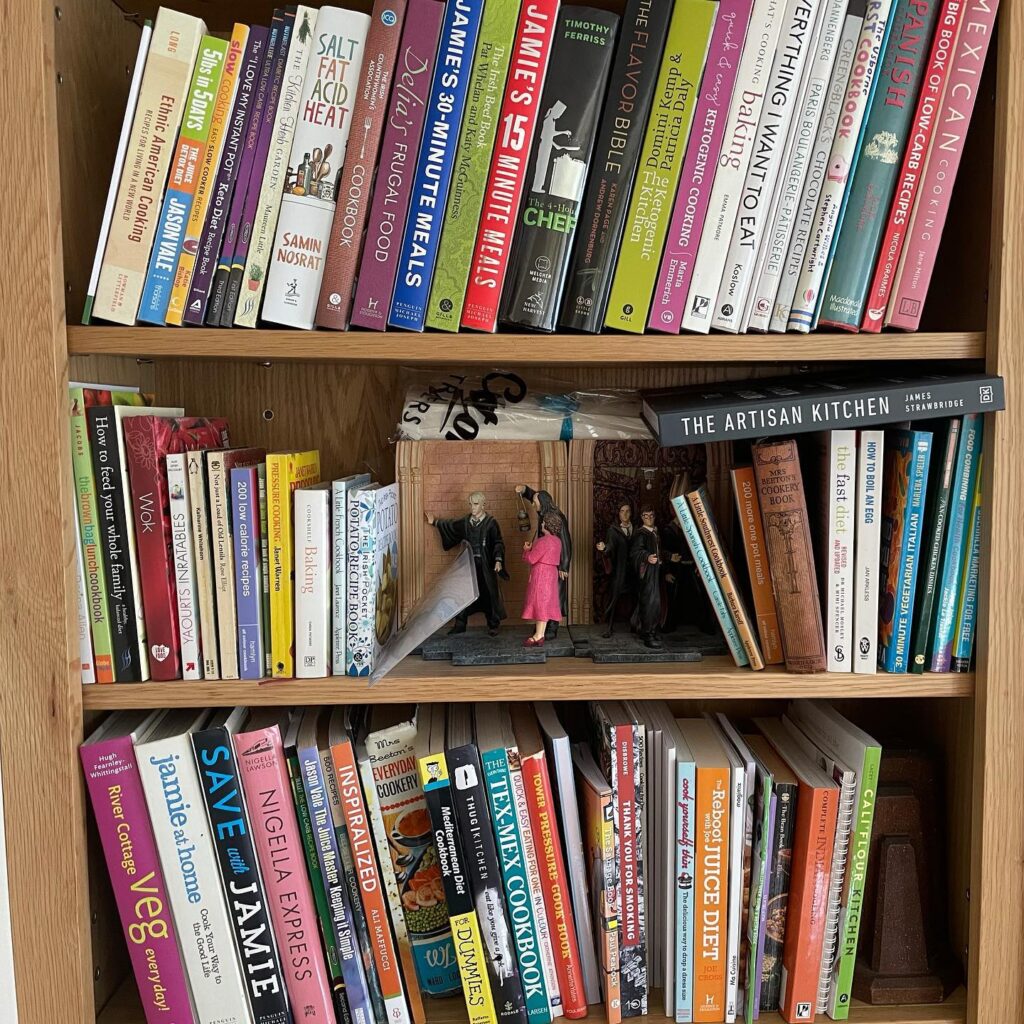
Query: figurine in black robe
point(545, 506)
point(614, 552)
point(483, 534)
point(645, 557)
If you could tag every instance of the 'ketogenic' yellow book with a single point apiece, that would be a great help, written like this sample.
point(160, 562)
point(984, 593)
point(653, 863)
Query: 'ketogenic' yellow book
point(285, 472)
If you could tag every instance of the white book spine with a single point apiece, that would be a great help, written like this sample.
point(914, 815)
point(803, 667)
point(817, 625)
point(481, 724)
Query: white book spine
point(870, 445)
point(312, 582)
point(200, 514)
point(842, 518)
point(298, 255)
point(847, 782)
point(817, 74)
point(783, 94)
point(219, 480)
point(268, 206)
point(170, 782)
point(744, 114)
point(845, 49)
point(841, 157)
point(736, 841)
point(686, 806)
point(85, 657)
point(184, 565)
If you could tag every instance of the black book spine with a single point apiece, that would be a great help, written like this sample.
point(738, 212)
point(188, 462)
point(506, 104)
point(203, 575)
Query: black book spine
point(110, 514)
point(243, 886)
point(467, 781)
point(778, 895)
point(574, 90)
point(602, 217)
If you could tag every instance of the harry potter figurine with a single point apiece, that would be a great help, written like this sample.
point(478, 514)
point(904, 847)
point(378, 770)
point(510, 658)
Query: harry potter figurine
point(482, 532)
point(614, 552)
point(545, 506)
point(645, 557)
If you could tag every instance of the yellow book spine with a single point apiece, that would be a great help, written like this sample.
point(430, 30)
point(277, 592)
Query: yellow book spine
point(469, 952)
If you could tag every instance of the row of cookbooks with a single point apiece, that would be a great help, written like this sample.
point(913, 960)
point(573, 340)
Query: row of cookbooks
point(693, 164)
point(197, 560)
point(338, 864)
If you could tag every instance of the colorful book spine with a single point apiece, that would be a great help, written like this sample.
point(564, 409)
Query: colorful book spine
point(208, 249)
point(779, 873)
point(472, 160)
point(867, 549)
point(248, 571)
point(312, 582)
point(661, 164)
point(506, 178)
point(908, 455)
point(184, 566)
point(967, 603)
point(158, 114)
point(609, 184)
point(323, 119)
point(339, 563)
point(839, 501)
point(261, 482)
point(913, 277)
point(86, 667)
point(199, 512)
point(685, 870)
point(345, 245)
point(181, 186)
point(275, 831)
point(711, 837)
point(119, 807)
point(695, 180)
point(763, 820)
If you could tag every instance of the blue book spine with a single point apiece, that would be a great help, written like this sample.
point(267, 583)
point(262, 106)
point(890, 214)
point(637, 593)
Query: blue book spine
point(156, 294)
point(329, 855)
point(248, 571)
point(958, 525)
point(686, 809)
point(425, 219)
point(710, 580)
point(967, 610)
point(896, 654)
point(512, 858)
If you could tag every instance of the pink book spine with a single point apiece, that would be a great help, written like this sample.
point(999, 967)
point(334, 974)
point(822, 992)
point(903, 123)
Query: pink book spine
point(129, 848)
point(275, 832)
point(918, 262)
point(698, 175)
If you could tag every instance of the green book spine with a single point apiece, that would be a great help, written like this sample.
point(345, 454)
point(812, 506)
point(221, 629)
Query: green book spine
point(886, 129)
point(472, 162)
point(661, 163)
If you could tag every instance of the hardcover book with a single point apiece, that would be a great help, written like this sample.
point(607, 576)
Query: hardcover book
point(323, 120)
point(184, 566)
point(86, 668)
point(967, 602)
point(248, 589)
point(764, 820)
point(158, 115)
point(312, 581)
point(602, 215)
point(838, 506)
point(202, 552)
point(339, 566)
point(867, 549)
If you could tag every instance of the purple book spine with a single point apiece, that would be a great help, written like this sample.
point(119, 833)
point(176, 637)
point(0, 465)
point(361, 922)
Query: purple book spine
point(414, 70)
point(698, 174)
point(129, 848)
point(755, 994)
point(213, 230)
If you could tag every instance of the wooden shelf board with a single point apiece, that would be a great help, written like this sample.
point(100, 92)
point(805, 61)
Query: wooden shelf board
point(267, 345)
point(564, 678)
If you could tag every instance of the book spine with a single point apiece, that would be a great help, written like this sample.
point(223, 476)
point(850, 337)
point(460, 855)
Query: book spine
point(817, 164)
point(767, 151)
point(248, 572)
point(158, 113)
point(707, 575)
point(339, 580)
point(842, 159)
point(886, 131)
point(361, 591)
point(181, 186)
point(581, 57)
point(472, 160)
point(967, 604)
point(208, 249)
point(711, 881)
point(200, 515)
point(414, 73)
point(344, 247)
point(867, 549)
point(242, 883)
point(738, 905)
point(511, 859)
point(602, 216)
point(695, 181)
point(261, 488)
point(219, 479)
point(748, 508)
point(324, 115)
point(919, 138)
point(184, 567)
point(279, 521)
point(841, 495)
point(913, 277)
point(790, 555)
point(506, 178)
point(685, 867)
point(754, 926)
point(432, 179)
point(312, 583)
point(119, 807)
point(837, 879)
point(249, 167)
point(278, 845)
point(208, 172)
point(85, 661)
point(740, 127)
point(779, 874)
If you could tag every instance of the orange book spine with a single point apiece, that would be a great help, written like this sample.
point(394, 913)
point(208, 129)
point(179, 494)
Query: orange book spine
point(711, 906)
point(749, 508)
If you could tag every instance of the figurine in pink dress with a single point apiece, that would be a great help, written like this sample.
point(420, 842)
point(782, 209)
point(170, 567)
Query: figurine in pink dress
point(543, 601)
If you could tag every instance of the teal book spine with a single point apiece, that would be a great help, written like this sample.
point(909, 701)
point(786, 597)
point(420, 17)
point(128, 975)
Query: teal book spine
point(967, 606)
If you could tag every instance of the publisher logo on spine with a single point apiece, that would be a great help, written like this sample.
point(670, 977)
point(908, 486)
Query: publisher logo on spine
point(388, 17)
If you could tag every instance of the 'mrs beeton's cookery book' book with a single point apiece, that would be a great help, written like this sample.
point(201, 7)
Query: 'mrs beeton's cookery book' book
point(571, 103)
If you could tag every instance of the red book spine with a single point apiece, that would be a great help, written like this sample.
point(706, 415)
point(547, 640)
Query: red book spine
point(895, 236)
point(507, 175)
point(555, 881)
point(624, 788)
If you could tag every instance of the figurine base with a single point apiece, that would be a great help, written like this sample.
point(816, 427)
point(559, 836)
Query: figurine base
point(625, 647)
point(934, 986)
point(477, 647)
